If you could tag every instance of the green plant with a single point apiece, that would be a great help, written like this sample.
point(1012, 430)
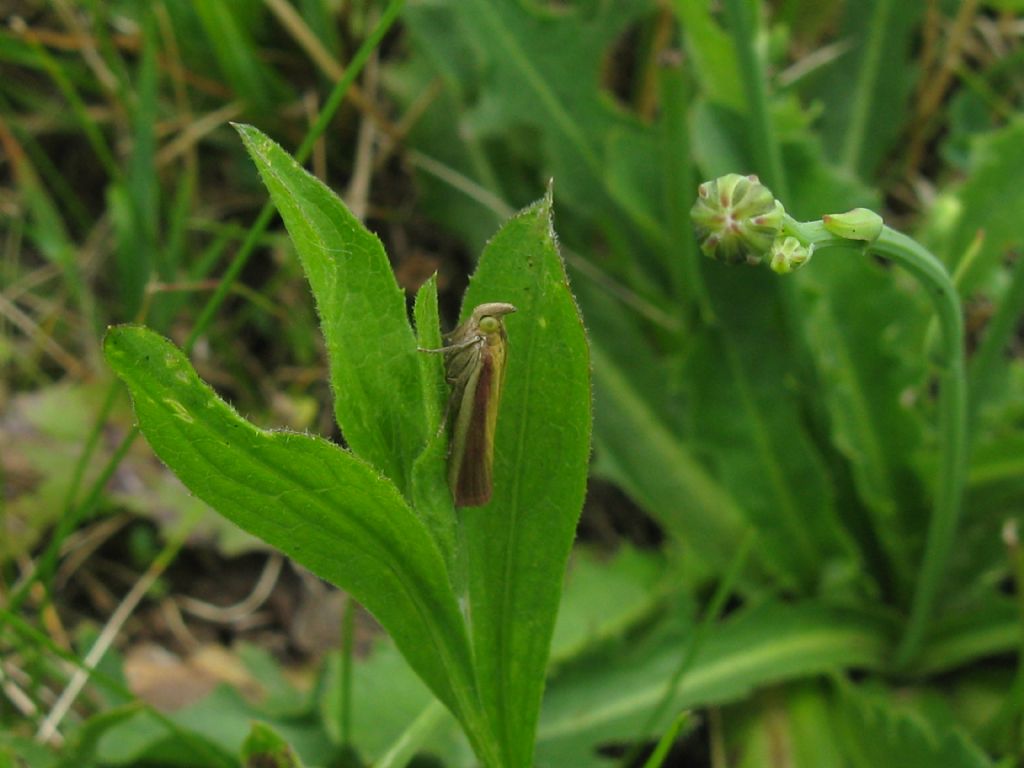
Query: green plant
point(738, 219)
point(756, 549)
point(728, 401)
point(379, 520)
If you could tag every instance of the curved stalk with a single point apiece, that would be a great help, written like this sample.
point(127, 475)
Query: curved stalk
point(930, 272)
point(942, 526)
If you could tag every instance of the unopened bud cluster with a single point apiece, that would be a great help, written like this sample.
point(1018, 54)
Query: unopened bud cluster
point(737, 218)
point(787, 254)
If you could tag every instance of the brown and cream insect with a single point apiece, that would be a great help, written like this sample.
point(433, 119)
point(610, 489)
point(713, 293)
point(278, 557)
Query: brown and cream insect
point(475, 354)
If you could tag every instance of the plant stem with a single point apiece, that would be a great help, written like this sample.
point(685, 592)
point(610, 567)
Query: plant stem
point(412, 739)
point(867, 81)
point(934, 278)
point(348, 626)
point(987, 361)
point(687, 281)
point(660, 753)
point(1005, 725)
point(693, 646)
point(266, 214)
point(767, 154)
point(72, 515)
point(186, 737)
point(930, 272)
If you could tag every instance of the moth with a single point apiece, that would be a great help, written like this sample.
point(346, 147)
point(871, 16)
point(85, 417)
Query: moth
point(474, 361)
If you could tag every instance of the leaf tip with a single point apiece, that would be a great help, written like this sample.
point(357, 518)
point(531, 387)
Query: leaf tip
point(112, 343)
point(253, 138)
point(244, 129)
point(541, 213)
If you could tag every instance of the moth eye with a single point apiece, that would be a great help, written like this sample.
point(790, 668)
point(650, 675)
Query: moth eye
point(489, 324)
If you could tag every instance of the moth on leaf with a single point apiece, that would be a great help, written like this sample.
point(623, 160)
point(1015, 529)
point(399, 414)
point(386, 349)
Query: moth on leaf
point(474, 364)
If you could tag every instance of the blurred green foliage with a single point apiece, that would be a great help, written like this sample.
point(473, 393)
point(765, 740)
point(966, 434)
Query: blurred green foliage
point(726, 400)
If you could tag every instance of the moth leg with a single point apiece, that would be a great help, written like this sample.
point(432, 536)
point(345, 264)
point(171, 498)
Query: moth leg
point(456, 393)
point(452, 347)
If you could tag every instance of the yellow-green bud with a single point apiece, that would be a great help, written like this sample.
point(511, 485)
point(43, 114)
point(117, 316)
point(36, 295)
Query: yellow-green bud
point(858, 224)
point(736, 218)
point(788, 254)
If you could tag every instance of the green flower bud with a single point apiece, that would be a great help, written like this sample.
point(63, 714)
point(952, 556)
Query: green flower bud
point(736, 218)
point(788, 254)
point(858, 224)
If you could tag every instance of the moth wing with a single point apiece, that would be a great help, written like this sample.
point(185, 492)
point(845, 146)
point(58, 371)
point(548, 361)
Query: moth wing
point(470, 469)
point(462, 370)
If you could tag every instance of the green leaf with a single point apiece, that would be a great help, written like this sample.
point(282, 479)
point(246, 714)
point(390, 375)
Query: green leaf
point(713, 53)
point(992, 385)
point(433, 49)
point(264, 748)
point(878, 733)
point(990, 200)
point(145, 739)
point(45, 225)
point(747, 422)
point(210, 732)
point(795, 720)
point(604, 597)
point(322, 506)
point(43, 431)
point(428, 337)
point(431, 498)
point(866, 90)
point(24, 752)
point(543, 68)
point(279, 698)
point(968, 632)
point(668, 738)
point(81, 748)
point(994, 493)
point(638, 440)
point(610, 698)
point(518, 544)
point(537, 61)
point(229, 38)
point(381, 721)
point(373, 357)
point(659, 472)
point(134, 200)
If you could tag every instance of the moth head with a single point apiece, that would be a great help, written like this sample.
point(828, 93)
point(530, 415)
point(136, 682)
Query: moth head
point(488, 317)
